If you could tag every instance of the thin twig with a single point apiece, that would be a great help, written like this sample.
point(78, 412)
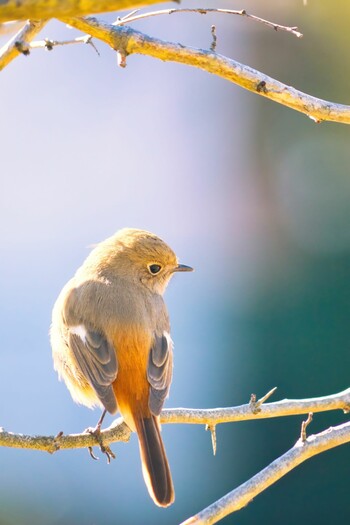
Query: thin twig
point(19, 43)
point(212, 429)
point(242, 495)
point(50, 44)
point(127, 41)
point(304, 426)
point(214, 39)
point(132, 17)
point(255, 405)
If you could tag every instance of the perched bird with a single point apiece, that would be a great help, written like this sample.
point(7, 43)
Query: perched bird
point(111, 343)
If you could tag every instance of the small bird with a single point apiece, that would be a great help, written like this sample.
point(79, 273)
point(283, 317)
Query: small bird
point(110, 338)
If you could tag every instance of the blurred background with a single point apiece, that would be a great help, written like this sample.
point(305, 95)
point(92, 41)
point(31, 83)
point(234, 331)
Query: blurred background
point(253, 195)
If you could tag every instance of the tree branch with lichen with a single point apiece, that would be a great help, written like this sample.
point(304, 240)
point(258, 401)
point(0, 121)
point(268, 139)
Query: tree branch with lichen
point(127, 41)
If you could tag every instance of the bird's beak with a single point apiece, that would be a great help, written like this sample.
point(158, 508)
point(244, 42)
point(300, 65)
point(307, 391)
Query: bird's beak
point(183, 268)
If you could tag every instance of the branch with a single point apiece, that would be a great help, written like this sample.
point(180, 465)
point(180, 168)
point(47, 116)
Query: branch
point(39, 9)
point(242, 495)
point(18, 44)
point(118, 431)
point(286, 407)
point(133, 17)
point(127, 41)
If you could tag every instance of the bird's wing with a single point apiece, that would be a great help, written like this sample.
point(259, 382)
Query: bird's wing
point(160, 371)
point(96, 358)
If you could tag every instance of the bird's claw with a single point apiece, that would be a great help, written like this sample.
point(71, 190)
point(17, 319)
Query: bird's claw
point(105, 449)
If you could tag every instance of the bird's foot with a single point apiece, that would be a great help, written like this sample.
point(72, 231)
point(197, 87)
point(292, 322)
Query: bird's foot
point(105, 449)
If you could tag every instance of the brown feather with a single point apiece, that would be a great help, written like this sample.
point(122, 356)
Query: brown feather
point(155, 467)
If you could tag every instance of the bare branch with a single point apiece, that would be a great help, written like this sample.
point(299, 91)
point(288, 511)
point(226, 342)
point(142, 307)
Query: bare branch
point(39, 9)
point(127, 41)
point(242, 495)
point(118, 431)
point(238, 498)
point(19, 43)
point(286, 407)
point(132, 17)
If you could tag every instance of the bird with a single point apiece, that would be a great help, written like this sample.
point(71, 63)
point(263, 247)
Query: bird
point(111, 344)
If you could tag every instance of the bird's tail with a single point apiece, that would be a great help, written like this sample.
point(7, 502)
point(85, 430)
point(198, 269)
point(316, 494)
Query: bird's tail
point(155, 466)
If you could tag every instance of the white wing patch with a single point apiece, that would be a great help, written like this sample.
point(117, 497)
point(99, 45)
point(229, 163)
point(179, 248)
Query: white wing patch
point(80, 331)
point(168, 338)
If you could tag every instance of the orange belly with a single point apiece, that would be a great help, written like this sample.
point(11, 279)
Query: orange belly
point(131, 386)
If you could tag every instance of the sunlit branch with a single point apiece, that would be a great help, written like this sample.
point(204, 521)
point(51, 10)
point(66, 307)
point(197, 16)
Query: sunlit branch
point(127, 41)
point(118, 431)
point(240, 497)
point(244, 494)
point(134, 16)
point(19, 42)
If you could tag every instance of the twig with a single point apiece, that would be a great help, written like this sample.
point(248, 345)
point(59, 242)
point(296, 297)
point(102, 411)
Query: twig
point(212, 429)
point(214, 39)
point(304, 426)
point(132, 17)
point(127, 41)
point(242, 495)
point(255, 405)
point(19, 43)
point(50, 44)
point(118, 431)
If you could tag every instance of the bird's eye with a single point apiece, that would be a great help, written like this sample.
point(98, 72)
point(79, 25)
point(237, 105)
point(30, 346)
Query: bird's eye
point(154, 268)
